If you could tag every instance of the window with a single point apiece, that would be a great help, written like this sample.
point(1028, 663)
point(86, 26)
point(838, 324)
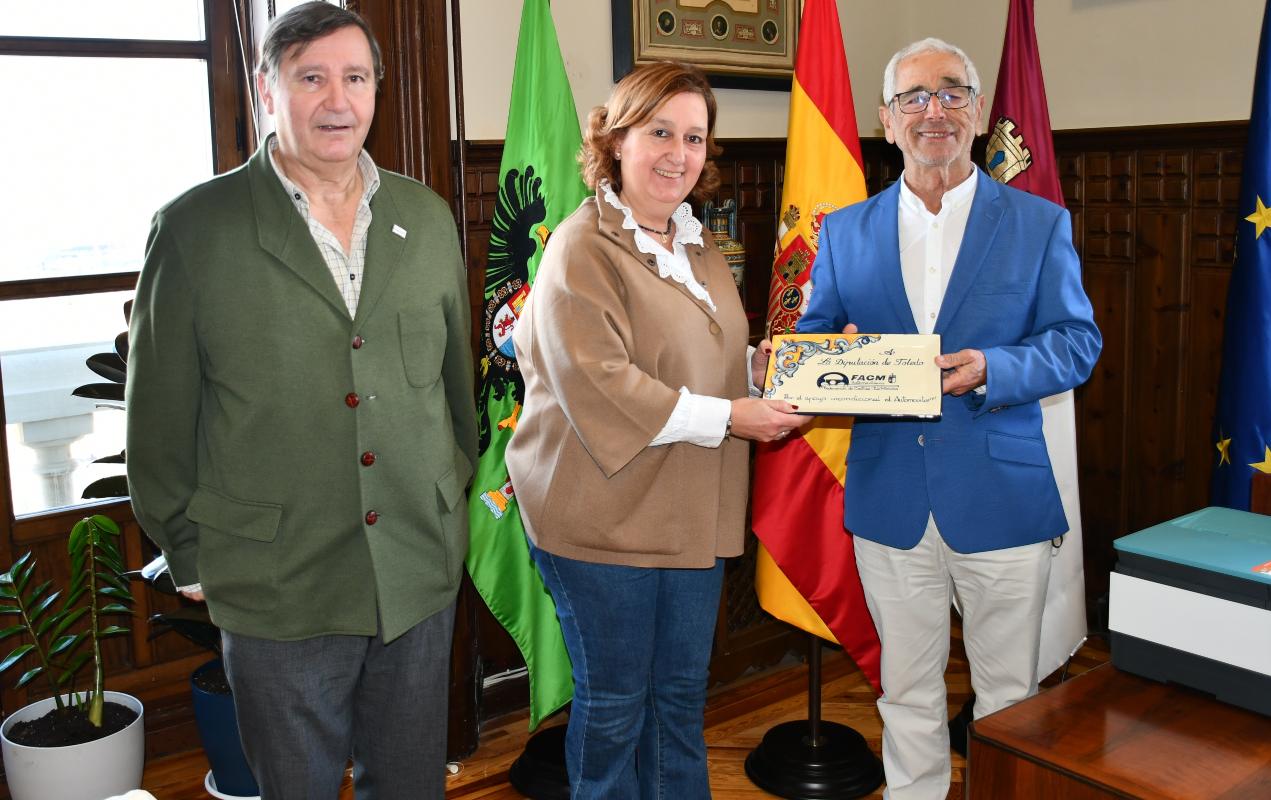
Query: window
point(121, 107)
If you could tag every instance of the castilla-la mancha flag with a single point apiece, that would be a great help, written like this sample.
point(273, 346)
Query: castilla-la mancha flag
point(806, 571)
point(1021, 154)
point(539, 186)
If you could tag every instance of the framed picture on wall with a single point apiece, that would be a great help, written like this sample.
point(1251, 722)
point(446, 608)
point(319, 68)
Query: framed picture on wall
point(742, 44)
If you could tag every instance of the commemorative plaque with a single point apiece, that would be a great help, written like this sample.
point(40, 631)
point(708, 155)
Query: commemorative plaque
point(862, 374)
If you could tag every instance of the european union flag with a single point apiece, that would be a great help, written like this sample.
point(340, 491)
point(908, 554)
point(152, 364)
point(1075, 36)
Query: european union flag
point(1243, 423)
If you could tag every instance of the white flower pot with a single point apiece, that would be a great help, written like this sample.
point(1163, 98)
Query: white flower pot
point(88, 771)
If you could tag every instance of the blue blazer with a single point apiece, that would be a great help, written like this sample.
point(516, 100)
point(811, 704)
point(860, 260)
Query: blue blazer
point(982, 469)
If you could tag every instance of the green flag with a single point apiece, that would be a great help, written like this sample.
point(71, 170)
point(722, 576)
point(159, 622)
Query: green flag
point(539, 186)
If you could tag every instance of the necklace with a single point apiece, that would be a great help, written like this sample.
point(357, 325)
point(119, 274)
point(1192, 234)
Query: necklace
point(665, 235)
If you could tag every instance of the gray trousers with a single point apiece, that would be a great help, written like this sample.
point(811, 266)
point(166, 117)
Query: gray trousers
point(305, 707)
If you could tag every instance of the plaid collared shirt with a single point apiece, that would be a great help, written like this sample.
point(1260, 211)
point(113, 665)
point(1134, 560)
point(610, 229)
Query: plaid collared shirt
point(346, 268)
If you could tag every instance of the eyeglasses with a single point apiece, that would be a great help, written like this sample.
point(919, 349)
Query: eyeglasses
point(950, 97)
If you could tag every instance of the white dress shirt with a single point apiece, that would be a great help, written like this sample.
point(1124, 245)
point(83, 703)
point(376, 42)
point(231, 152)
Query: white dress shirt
point(929, 245)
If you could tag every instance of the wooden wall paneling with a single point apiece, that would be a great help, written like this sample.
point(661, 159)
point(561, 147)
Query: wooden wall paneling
point(751, 176)
point(1216, 190)
point(1154, 219)
point(1102, 406)
point(1157, 372)
point(411, 131)
point(1096, 184)
point(1203, 352)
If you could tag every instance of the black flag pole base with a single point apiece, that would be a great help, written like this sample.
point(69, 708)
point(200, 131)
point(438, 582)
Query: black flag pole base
point(788, 764)
point(539, 773)
point(811, 759)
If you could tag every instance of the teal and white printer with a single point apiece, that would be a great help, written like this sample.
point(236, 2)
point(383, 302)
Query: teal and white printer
point(1190, 603)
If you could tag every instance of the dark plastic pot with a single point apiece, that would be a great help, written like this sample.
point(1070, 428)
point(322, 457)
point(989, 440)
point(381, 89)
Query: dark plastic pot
point(218, 728)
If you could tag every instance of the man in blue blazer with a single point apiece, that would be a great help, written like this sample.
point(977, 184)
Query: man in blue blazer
point(965, 504)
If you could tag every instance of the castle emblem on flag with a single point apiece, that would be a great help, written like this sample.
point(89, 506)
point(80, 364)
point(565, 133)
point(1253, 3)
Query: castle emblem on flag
point(1006, 156)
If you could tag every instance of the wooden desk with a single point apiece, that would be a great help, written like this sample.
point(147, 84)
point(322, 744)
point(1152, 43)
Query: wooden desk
point(1111, 734)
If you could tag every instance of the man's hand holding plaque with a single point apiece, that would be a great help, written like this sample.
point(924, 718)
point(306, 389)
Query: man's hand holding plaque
point(862, 374)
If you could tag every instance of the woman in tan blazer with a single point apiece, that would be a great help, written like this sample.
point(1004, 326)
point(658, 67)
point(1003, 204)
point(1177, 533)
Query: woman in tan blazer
point(629, 461)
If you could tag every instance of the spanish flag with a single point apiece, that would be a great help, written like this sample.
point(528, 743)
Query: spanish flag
point(806, 570)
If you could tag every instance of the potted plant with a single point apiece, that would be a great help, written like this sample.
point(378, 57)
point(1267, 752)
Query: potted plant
point(77, 744)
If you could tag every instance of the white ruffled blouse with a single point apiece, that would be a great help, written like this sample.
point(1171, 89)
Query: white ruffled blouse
point(673, 264)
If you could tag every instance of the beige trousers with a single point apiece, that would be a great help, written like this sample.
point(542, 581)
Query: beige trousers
point(1001, 594)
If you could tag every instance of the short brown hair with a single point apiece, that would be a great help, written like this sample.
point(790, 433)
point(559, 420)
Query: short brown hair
point(632, 103)
point(307, 23)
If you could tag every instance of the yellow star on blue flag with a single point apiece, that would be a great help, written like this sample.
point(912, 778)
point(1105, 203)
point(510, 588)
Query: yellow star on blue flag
point(1224, 450)
point(1260, 218)
point(1265, 464)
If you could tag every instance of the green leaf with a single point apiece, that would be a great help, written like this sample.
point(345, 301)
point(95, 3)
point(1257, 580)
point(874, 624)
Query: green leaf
point(24, 577)
point(107, 487)
point(8, 591)
point(7, 632)
point(37, 591)
point(111, 591)
point(42, 605)
point(77, 559)
point(7, 579)
point(69, 620)
point(111, 631)
point(10, 610)
point(48, 622)
point(111, 608)
point(29, 676)
point(79, 534)
point(106, 524)
point(76, 594)
point(111, 580)
point(67, 644)
point(112, 565)
point(78, 581)
point(112, 551)
point(16, 656)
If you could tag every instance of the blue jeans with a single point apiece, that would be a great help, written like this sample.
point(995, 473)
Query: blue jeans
point(640, 641)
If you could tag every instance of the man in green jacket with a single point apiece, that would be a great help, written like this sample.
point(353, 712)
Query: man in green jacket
point(301, 426)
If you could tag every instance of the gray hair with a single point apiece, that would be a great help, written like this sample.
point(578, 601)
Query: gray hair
point(306, 23)
point(928, 45)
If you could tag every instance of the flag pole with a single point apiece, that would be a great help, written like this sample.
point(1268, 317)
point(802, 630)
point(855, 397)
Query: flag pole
point(805, 569)
point(813, 759)
point(461, 132)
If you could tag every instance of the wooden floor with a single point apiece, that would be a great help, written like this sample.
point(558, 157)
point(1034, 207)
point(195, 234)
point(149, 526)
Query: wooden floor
point(737, 715)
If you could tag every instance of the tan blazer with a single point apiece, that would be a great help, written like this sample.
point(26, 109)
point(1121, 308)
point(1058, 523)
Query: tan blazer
point(604, 345)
